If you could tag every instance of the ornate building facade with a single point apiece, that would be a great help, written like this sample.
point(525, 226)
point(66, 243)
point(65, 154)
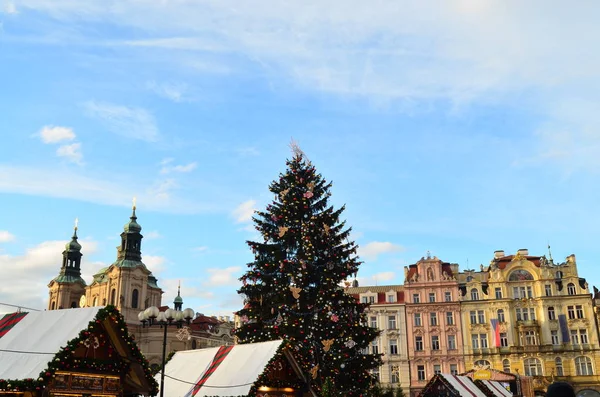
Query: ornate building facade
point(387, 313)
point(433, 320)
point(527, 315)
point(131, 287)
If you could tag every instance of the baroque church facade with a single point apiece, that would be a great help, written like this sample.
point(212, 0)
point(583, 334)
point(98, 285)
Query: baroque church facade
point(131, 287)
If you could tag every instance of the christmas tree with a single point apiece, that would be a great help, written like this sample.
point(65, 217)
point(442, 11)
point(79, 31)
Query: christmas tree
point(292, 288)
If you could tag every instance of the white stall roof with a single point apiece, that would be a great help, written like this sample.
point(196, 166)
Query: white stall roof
point(464, 385)
point(27, 348)
point(234, 376)
point(497, 388)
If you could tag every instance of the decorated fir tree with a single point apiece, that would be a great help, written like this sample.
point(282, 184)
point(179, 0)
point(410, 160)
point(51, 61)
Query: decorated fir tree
point(292, 288)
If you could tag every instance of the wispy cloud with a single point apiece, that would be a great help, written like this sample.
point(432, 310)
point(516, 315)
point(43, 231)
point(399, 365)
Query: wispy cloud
point(167, 168)
point(372, 250)
point(227, 276)
point(6, 236)
point(154, 234)
point(55, 134)
point(383, 277)
point(243, 212)
point(9, 8)
point(155, 263)
point(248, 151)
point(175, 92)
point(71, 152)
point(130, 122)
point(201, 248)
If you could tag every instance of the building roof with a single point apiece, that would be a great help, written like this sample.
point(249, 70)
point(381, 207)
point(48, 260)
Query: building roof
point(8, 321)
point(496, 388)
point(374, 289)
point(463, 385)
point(234, 376)
point(26, 349)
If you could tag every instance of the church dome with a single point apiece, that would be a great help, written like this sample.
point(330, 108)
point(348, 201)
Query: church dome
point(73, 245)
point(132, 226)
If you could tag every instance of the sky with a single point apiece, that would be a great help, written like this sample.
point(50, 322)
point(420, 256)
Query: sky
point(456, 128)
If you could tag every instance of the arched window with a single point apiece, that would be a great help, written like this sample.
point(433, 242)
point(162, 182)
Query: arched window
point(73, 305)
point(506, 365)
point(113, 296)
point(194, 344)
point(559, 275)
point(500, 315)
point(95, 301)
point(583, 366)
point(483, 363)
point(533, 367)
point(474, 294)
point(551, 313)
point(52, 305)
point(134, 299)
point(559, 366)
point(571, 289)
point(520, 275)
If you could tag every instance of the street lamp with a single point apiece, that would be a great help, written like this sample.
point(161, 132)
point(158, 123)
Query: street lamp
point(153, 316)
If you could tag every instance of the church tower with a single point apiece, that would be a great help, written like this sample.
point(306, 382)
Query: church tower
point(67, 289)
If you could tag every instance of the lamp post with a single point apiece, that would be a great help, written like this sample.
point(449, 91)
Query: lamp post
point(153, 316)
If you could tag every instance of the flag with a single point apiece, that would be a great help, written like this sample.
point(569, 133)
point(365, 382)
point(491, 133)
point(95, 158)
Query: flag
point(564, 328)
point(495, 333)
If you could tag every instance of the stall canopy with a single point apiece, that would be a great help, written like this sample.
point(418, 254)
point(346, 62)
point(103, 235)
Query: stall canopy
point(223, 371)
point(453, 385)
point(495, 387)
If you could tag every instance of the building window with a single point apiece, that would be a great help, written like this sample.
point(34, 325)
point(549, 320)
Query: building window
point(559, 275)
point(579, 311)
point(475, 341)
point(571, 312)
point(448, 296)
point(134, 299)
point(551, 313)
point(375, 347)
point(533, 367)
point(194, 344)
point(583, 366)
point(373, 321)
point(419, 343)
point(506, 365)
point(431, 297)
point(449, 318)
point(454, 369)
point(451, 342)
point(416, 298)
point(548, 289)
point(530, 338)
point(52, 305)
point(525, 314)
point(435, 342)
point(113, 296)
point(559, 366)
point(437, 369)
point(391, 322)
point(433, 319)
point(394, 374)
point(500, 315)
point(481, 316)
point(571, 289)
point(420, 372)
point(473, 316)
point(498, 293)
point(474, 294)
point(583, 336)
point(393, 346)
point(417, 319)
point(95, 301)
point(503, 339)
point(554, 337)
point(522, 292)
point(375, 373)
point(483, 341)
point(371, 299)
point(363, 299)
point(391, 298)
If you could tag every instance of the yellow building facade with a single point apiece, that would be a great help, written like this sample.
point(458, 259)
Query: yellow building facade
point(527, 315)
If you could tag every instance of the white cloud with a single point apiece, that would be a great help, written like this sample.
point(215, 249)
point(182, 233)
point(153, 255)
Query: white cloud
point(172, 91)
point(71, 152)
point(6, 237)
point(30, 273)
point(382, 277)
point(243, 212)
point(181, 168)
point(227, 276)
point(152, 235)
point(201, 248)
point(10, 8)
point(130, 122)
point(154, 263)
point(248, 151)
point(162, 190)
point(55, 134)
point(373, 249)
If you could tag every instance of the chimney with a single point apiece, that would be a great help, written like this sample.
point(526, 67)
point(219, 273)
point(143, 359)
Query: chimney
point(498, 254)
point(523, 252)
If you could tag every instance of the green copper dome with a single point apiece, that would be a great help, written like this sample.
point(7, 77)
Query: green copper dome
point(178, 299)
point(132, 226)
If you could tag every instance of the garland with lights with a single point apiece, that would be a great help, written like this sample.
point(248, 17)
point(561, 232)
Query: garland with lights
point(66, 360)
point(292, 288)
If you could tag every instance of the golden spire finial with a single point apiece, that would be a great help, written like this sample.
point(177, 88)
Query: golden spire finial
point(76, 223)
point(134, 202)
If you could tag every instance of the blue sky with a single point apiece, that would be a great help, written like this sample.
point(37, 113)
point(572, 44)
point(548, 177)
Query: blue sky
point(457, 128)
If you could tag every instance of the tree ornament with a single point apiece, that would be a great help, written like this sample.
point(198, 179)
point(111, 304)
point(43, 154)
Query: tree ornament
point(296, 292)
point(283, 230)
point(314, 371)
point(326, 227)
point(350, 343)
point(283, 193)
point(327, 344)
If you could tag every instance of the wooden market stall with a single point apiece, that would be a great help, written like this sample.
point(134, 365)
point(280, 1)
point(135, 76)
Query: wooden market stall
point(73, 353)
point(254, 369)
point(447, 385)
